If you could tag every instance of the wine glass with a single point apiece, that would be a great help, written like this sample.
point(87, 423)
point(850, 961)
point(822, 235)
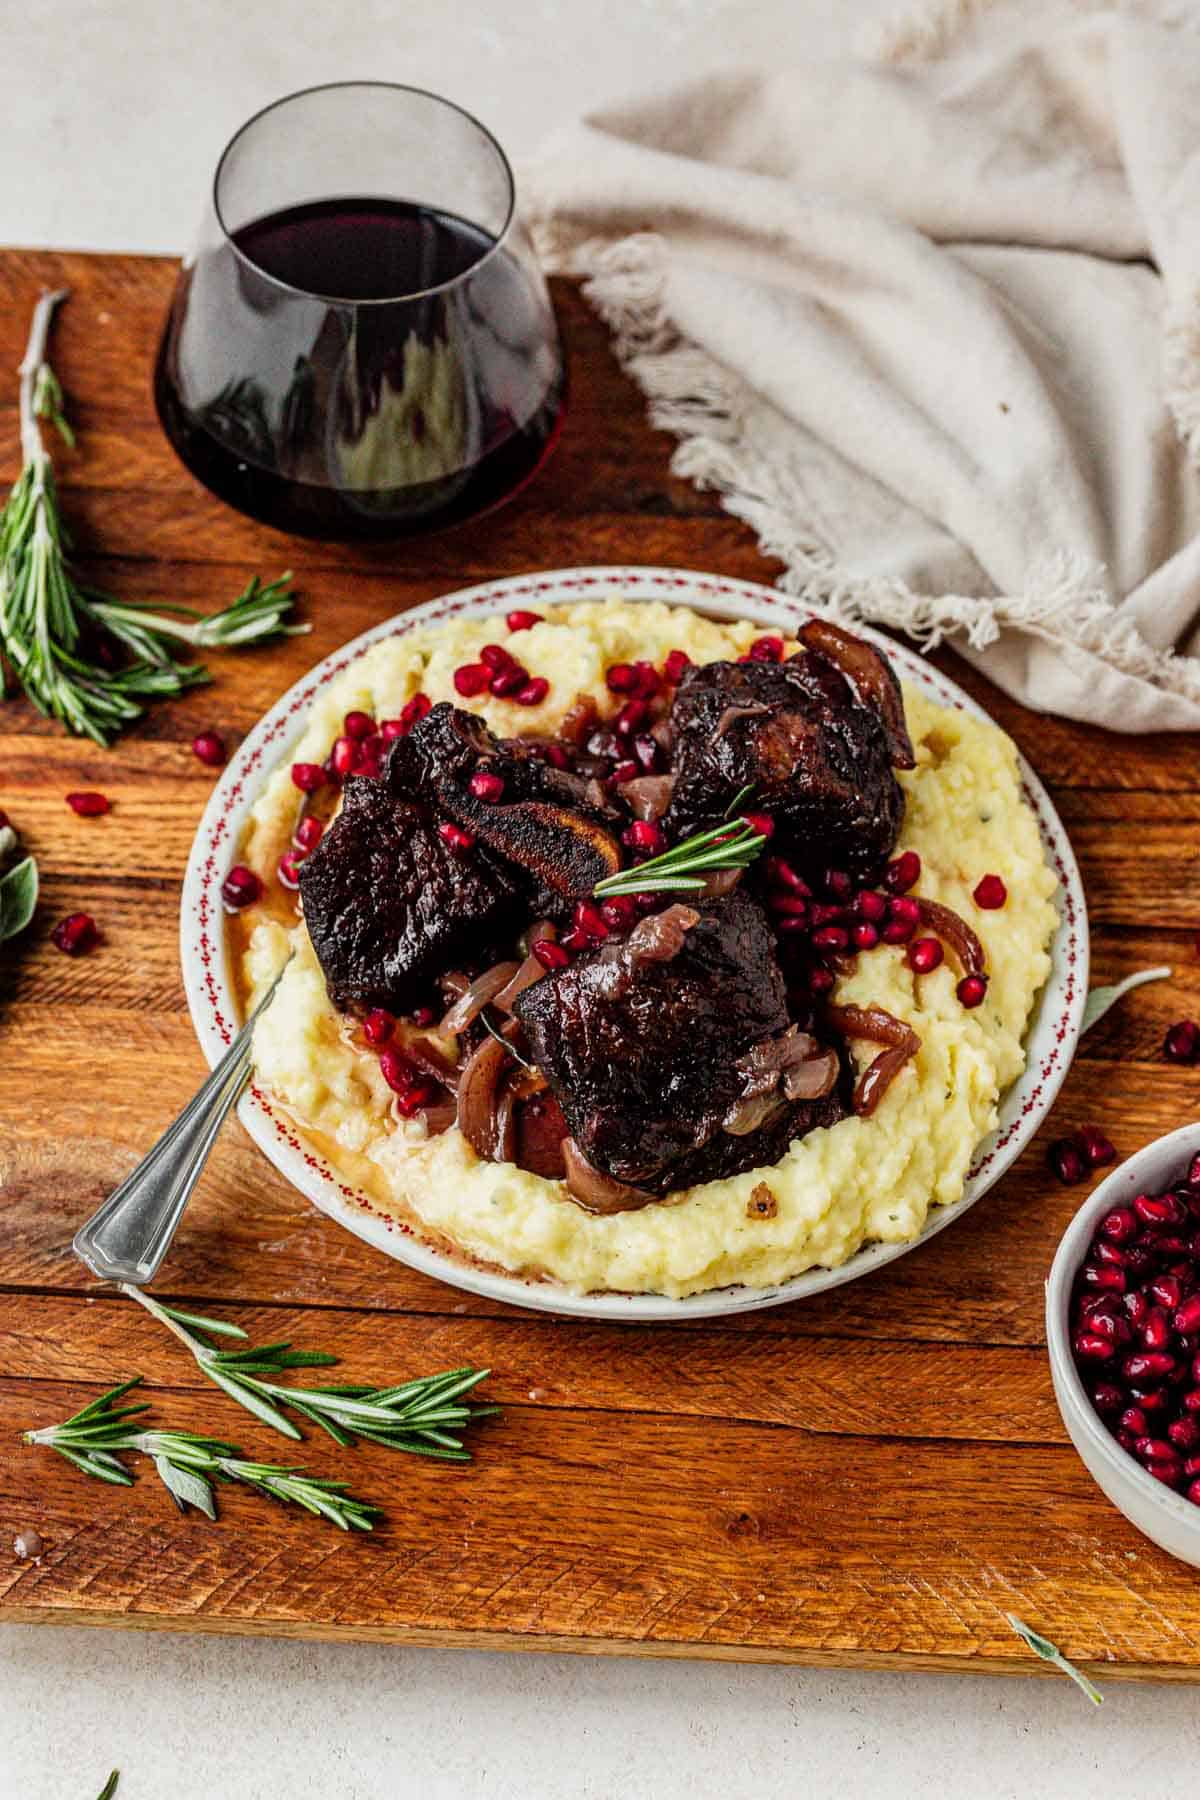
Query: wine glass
point(362, 345)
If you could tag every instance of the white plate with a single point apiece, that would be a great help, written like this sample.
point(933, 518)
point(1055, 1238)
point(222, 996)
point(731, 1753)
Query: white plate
point(1050, 1043)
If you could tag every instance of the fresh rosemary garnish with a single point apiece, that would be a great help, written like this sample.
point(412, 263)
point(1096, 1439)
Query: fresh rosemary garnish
point(188, 1464)
point(110, 1786)
point(1052, 1654)
point(62, 637)
point(424, 1416)
point(683, 869)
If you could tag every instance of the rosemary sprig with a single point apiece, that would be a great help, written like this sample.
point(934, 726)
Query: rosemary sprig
point(423, 1417)
point(55, 631)
point(110, 1786)
point(187, 1464)
point(682, 869)
point(1052, 1654)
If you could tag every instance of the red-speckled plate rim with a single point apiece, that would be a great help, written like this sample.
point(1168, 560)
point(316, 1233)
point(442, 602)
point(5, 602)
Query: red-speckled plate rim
point(1050, 1043)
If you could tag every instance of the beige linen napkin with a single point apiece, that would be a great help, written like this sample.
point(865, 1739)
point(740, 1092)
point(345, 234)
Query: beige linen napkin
point(930, 322)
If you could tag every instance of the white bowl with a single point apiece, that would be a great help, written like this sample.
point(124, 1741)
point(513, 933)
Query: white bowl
point(1050, 1041)
point(1167, 1518)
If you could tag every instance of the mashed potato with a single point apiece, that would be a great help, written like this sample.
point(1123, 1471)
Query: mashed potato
point(864, 1180)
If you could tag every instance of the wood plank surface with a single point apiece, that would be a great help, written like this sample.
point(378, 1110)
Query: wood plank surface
point(871, 1478)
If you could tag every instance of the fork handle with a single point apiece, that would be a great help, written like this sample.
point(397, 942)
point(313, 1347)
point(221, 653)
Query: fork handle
point(130, 1233)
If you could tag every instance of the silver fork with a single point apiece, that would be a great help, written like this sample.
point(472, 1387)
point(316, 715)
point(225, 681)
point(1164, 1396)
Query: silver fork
point(127, 1238)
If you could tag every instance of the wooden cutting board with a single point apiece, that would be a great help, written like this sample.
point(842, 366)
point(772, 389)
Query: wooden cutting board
point(873, 1478)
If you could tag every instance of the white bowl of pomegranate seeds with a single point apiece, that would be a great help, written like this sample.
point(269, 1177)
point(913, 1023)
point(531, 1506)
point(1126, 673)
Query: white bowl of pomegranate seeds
point(1123, 1330)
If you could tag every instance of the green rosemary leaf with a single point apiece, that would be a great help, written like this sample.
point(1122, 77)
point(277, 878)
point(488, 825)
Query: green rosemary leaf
point(730, 846)
point(1052, 1654)
point(186, 1487)
point(110, 1786)
point(18, 897)
point(330, 1426)
point(103, 1471)
point(217, 1327)
point(739, 799)
point(104, 1402)
point(48, 402)
point(247, 1394)
point(1100, 999)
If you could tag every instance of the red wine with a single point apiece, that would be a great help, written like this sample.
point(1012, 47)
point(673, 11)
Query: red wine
point(361, 368)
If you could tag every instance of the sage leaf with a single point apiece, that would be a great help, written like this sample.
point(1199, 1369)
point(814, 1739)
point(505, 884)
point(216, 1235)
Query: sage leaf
point(1052, 1654)
point(18, 898)
point(1102, 998)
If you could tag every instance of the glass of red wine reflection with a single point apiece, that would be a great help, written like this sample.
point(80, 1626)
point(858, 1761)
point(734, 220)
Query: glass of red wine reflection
point(362, 345)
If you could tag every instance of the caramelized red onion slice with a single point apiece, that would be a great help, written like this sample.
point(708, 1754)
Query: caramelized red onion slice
point(720, 882)
point(791, 1067)
point(870, 676)
point(597, 1193)
point(580, 719)
point(750, 710)
point(659, 937)
point(747, 1115)
point(530, 971)
point(439, 1116)
point(878, 1027)
point(430, 1061)
point(648, 796)
point(479, 994)
point(954, 930)
point(486, 1126)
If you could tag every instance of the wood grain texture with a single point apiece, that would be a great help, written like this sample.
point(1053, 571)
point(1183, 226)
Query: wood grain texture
point(873, 1478)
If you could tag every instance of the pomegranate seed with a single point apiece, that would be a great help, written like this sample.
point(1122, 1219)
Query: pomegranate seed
point(820, 981)
point(519, 620)
point(76, 934)
point(677, 663)
point(646, 682)
point(1095, 1275)
point(241, 887)
point(1193, 1493)
point(864, 935)
point(1142, 1363)
point(423, 1015)
point(903, 873)
point(288, 869)
point(1182, 1042)
point(308, 777)
point(345, 756)
point(645, 836)
point(897, 931)
point(471, 679)
point(533, 692)
point(89, 805)
point(766, 649)
point(1155, 1330)
point(626, 771)
point(1169, 1473)
point(1185, 1435)
point(549, 954)
point(990, 893)
point(1134, 1420)
point(209, 747)
point(332, 774)
point(1187, 1317)
point(620, 912)
point(1150, 1399)
point(1168, 1291)
point(391, 729)
point(1193, 1174)
point(1191, 1401)
point(825, 913)
point(1120, 1225)
point(621, 678)
point(378, 1026)
point(924, 954)
point(557, 757)
point(1108, 1398)
point(1095, 1146)
point(830, 937)
point(1125, 1438)
point(485, 785)
point(1153, 1449)
point(308, 833)
point(1091, 1347)
point(358, 725)
point(397, 1070)
point(972, 990)
point(496, 658)
point(415, 1099)
point(786, 908)
point(870, 905)
point(1160, 1209)
point(589, 919)
point(508, 682)
point(1067, 1160)
point(454, 835)
point(905, 909)
point(783, 875)
point(1110, 1253)
point(414, 710)
point(631, 718)
point(370, 757)
point(576, 939)
point(1113, 1326)
point(837, 884)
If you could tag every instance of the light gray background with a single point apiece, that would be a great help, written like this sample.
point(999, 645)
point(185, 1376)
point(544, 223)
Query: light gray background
point(112, 118)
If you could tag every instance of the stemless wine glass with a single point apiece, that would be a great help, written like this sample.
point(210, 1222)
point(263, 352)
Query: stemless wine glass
point(362, 345)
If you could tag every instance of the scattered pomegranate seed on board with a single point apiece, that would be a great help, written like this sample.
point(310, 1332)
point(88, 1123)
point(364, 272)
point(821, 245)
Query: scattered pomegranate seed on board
point(209, 748)
point(89, 805)
point(76, 934)
point(1182, 1042)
